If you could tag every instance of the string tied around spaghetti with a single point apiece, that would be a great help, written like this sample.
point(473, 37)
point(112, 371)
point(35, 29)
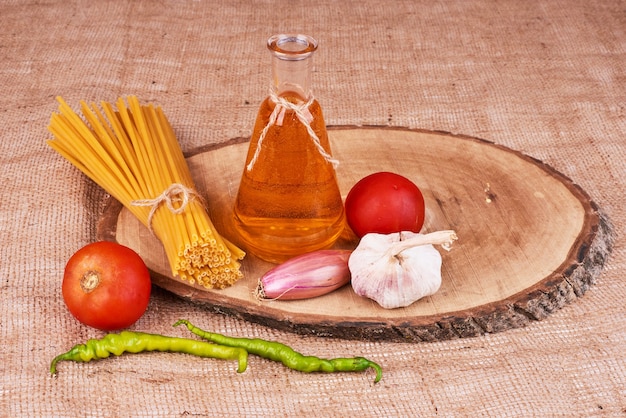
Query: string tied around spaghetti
point(175, 193)
point(304, 116)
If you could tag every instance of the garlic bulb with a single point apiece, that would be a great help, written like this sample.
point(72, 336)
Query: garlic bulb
point(398, 269)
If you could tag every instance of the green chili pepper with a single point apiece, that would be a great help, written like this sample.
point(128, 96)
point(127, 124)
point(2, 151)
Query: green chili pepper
point(136, 342)
point(279, 352)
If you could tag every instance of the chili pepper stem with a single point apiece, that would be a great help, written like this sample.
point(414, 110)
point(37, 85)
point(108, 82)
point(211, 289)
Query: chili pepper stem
point(376, 367)
point(60, 357)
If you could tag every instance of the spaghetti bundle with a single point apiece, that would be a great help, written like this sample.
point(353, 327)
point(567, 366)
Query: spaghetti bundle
point(133, 154)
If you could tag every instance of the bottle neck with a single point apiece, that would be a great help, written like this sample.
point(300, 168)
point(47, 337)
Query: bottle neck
point(291, 66)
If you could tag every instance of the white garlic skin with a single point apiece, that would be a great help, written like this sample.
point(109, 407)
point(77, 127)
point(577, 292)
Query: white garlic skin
point(394, 281)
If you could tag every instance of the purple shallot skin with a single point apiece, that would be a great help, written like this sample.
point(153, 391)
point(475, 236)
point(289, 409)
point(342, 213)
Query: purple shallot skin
point(306, 276)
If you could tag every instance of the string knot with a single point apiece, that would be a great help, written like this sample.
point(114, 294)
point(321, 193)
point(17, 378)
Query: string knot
point(175, 193)
point(304, 116)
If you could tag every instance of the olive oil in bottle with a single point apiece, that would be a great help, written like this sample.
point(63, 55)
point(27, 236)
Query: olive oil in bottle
point(288, 201)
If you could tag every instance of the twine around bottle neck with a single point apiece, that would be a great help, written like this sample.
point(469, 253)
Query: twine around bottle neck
point(304, 116)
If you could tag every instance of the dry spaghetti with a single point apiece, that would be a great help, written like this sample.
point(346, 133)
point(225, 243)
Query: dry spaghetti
point(133, 154)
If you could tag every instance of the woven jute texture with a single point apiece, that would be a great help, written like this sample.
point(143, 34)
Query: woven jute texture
point(546, 78)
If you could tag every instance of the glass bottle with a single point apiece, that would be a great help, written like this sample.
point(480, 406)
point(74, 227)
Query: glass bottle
point(288, 201)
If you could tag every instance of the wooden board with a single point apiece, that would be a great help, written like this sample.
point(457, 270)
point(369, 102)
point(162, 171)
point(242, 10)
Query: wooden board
point(530, 240)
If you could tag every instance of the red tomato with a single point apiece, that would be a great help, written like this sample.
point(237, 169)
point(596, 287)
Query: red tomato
point(106, 286)
point(384, 203)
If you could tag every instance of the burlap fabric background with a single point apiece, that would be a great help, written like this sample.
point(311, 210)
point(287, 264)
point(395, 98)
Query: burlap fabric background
point(547, 78)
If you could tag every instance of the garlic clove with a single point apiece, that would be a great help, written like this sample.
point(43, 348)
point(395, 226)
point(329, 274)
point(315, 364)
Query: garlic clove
point(396, 270)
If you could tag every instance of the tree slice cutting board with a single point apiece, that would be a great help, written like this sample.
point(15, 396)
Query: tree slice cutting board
point(529, 242)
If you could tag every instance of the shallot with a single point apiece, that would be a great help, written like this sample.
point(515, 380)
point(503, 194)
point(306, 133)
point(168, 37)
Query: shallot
point(306, 276)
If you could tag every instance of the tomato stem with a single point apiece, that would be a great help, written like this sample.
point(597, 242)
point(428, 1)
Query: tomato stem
point(90, 281)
